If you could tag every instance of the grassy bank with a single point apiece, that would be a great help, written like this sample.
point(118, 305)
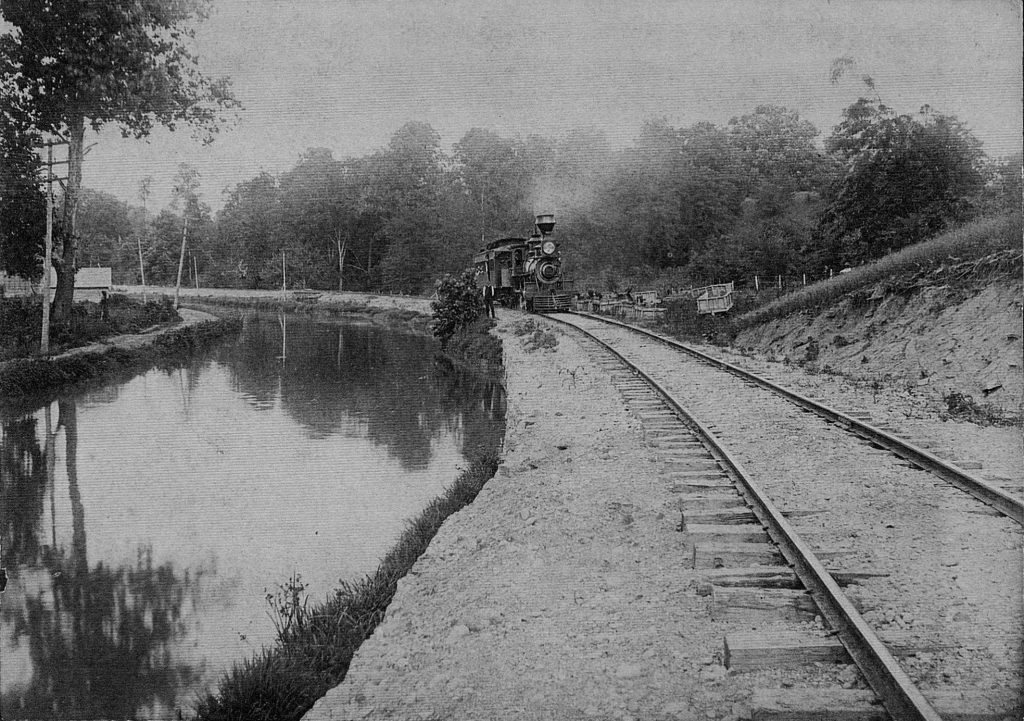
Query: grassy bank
point(315, 643)
point(21, 319)
point(960, 254)
point(28, 381)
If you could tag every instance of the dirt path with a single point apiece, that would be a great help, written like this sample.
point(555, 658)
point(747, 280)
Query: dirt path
point(561, 592)
point(328, 298)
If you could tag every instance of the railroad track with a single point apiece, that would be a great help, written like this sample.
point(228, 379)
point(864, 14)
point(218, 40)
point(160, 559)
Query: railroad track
point(822, 540)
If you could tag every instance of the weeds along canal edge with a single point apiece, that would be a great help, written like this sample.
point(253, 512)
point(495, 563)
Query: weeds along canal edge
point(316, 642)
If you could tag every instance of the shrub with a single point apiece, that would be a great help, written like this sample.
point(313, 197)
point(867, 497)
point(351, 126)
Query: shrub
point(458, 304)
point(475, 346)
point(812, 351)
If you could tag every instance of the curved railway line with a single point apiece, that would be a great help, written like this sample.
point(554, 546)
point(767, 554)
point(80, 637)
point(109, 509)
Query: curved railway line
point(913, 564)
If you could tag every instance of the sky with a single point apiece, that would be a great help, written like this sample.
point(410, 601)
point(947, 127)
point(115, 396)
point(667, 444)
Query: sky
point(345, 74)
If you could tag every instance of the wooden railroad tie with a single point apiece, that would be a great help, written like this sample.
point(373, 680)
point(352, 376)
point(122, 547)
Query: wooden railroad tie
point(754, 650)
point(724, 555)
point(834, 704)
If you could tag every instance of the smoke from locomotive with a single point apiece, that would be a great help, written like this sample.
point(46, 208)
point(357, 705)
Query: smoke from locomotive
point(526, 272)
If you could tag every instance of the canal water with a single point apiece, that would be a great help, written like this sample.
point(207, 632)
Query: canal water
point(147, 527)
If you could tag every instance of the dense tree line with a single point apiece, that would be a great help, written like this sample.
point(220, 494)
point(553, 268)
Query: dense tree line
point(759, 195)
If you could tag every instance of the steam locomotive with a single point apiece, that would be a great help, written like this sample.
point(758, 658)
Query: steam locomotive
point(526, 272)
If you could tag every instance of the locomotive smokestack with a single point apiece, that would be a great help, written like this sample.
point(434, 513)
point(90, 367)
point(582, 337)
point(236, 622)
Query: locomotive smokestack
point(545, 223)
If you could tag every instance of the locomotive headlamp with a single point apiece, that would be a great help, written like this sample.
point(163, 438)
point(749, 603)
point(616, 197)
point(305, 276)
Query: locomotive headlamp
point(548, 247)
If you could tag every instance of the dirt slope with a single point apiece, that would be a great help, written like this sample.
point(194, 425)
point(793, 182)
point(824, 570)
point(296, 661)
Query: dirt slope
point(928, 342)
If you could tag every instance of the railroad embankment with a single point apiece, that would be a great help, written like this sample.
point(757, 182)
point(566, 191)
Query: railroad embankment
point(935, 340)
point(941, 320)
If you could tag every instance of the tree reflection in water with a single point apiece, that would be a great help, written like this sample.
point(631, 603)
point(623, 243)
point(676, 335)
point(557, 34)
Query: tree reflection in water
point(108, 640)
point(98, 639)
point(334, 376)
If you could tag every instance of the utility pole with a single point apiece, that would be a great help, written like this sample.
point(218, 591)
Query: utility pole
point(44, 341)
point(181, 258)
point(142, 269)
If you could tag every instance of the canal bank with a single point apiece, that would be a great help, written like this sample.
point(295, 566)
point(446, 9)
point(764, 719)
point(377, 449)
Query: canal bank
point(31, 379)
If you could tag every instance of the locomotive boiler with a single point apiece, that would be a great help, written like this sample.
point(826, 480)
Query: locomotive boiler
point(526, 272)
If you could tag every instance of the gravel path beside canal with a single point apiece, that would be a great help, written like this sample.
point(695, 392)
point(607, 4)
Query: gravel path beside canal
point(561, 592)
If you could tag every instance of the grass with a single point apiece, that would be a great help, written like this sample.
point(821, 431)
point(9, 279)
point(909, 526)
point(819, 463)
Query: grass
point(998, 238)
point(315, 643)
point(21, 319)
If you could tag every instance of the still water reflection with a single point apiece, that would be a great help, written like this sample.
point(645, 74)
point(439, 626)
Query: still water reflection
point(143, 524)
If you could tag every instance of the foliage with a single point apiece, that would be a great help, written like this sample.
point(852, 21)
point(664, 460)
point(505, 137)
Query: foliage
point(458, 304)
point(906, 178)
point(681, 206)
point(21, 320)
point(475, 346)
point(22, 202)
point(106, 230)
point(316, 643)
point(962, 407)
point(126, 64)
point(975, 240)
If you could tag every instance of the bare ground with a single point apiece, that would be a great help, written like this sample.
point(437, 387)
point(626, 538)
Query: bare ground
point(562, 592)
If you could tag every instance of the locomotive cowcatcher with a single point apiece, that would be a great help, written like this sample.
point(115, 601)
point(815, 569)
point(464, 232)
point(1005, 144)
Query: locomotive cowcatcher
point(526, 272)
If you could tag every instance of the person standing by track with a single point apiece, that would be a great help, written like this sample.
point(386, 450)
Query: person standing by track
point(488, 301)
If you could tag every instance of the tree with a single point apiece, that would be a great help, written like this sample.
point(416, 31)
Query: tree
point(22, 206)
point(121, 63)
point(410, 193)
point(494, 172)
point(906, 178)
point(246, 228)
point(776, 148)
point(186, 185)
point(104, 223)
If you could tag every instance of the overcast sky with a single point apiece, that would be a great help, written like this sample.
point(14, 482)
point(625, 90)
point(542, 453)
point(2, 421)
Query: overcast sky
point(346, 74)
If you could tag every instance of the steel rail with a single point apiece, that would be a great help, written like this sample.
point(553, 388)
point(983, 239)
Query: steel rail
point(985, 492)
point(898, 694)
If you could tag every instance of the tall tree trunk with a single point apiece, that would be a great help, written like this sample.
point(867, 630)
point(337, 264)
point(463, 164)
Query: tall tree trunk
point(65, 262)
point(341, 260)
